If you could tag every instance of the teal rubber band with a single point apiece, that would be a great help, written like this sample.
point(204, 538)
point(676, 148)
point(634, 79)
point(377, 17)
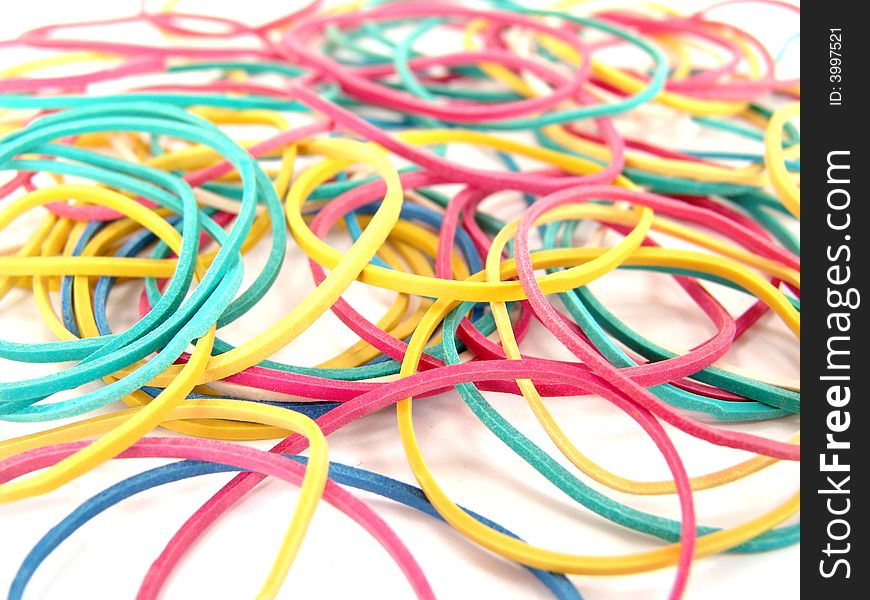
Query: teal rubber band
point(656, 83)
point(748, 388)
point(566, 482)
point(205, 306)
point(591, 315)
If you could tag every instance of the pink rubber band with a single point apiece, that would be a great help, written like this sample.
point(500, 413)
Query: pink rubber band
point(258, 461)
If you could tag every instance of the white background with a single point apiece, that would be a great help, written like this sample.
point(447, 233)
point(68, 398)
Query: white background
point(108, 557)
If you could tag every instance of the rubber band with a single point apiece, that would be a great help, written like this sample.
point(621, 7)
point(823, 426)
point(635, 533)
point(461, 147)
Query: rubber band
point(462, 183)
point(785, 186)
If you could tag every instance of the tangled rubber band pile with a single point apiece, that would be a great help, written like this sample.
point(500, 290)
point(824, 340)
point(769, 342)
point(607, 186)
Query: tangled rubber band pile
point(149, 185)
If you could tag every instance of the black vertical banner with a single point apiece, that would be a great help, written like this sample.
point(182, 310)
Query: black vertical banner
point(835, 44)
